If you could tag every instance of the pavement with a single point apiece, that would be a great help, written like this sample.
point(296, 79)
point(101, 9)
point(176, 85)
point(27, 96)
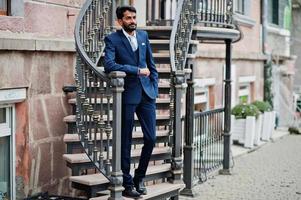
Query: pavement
point(269, 171)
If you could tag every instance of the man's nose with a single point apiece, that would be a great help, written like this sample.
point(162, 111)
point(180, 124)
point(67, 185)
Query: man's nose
point(133, 20)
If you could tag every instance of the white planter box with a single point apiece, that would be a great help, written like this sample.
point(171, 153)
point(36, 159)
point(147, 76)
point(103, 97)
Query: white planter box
point(258, 131)
point(268, 125)
point(243, 130)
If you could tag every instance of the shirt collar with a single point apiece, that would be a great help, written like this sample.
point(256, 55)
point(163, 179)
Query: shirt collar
point(128, 35)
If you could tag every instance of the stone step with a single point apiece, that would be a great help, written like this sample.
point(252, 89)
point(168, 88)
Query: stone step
point(79, 158)
point(163, 44)
point(161, 119)
point(137, 134)
point(74, 145)
point(157, 191)
point(164, 87)
point(164, 58)
point(98, 179)
point(98, 100)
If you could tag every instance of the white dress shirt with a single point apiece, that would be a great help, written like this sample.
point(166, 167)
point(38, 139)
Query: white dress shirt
point(132, 39)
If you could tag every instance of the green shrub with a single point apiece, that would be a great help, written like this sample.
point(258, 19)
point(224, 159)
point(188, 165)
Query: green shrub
point(262, 106)
point(241, 111)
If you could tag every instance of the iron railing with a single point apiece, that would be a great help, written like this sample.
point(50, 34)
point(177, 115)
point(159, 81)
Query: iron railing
point(212, 13)
point(215, 13)
point(208, 142)
point(98, 100)
point(178, 49)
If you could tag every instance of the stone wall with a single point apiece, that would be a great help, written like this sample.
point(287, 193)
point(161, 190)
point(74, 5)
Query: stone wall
point(37, 52)
point(39, 119)
point(296, 45)
point(50, 18)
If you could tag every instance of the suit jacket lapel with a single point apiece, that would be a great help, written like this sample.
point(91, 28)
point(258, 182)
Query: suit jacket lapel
point(139, 41)
point(126, 43)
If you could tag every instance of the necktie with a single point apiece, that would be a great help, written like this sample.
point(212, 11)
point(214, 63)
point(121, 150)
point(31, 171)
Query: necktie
point(133, 44)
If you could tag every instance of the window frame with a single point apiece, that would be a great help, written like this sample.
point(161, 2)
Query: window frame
point(9, 127)
point(6, 12)
point(244, 91)
point(275, 18)
point(240, 7)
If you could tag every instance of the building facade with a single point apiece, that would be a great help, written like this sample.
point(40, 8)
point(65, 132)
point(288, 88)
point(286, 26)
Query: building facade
point(37, 57)
point(281, 60)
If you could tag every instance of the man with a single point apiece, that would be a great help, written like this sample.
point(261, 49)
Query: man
point(129, 50)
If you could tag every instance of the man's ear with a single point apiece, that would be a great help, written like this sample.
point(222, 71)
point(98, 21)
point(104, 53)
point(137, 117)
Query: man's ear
point(120, 22)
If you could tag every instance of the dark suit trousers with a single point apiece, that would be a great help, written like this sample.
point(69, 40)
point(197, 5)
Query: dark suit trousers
point(146, 113)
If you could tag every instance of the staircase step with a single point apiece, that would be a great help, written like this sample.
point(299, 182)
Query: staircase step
point(163, 57)
point(158, 191)
point(158, 100)
point(98, 179)
point(159, 117)
point(90, 179)
point(137, 134)
point(135, 153)
point(158, 32)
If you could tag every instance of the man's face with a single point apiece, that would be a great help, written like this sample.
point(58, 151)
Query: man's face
point(128, 22)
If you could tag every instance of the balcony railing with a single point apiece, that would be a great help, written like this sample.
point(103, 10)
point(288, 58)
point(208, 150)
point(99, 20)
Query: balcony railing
point(209, 13)
point(215, 13)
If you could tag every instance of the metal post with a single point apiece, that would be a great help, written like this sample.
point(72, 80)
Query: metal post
point(227, 118)
point(116, 176)
point(177, 162)
point(188, 175)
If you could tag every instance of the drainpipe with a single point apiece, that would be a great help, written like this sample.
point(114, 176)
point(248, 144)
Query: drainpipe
point(264, 21)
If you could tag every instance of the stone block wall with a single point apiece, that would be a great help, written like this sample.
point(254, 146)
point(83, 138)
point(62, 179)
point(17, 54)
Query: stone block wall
point(49, 18)
point(39, 119)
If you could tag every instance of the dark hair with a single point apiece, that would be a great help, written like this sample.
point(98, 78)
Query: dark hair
point(121, 9)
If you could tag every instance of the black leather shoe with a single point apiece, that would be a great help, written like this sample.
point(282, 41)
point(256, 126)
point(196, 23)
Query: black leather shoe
point(140, 187)
point(130, 192)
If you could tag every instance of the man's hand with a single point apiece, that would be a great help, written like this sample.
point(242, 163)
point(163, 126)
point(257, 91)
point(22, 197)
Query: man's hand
point(144, 72)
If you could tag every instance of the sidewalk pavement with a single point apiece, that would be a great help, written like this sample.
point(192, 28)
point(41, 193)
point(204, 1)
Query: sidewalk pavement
point(238, 151)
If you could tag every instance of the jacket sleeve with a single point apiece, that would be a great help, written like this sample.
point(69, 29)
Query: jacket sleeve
point(110, 63)
point(151, 64)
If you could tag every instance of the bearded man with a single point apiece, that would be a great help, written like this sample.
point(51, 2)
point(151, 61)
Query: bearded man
point(129, 50)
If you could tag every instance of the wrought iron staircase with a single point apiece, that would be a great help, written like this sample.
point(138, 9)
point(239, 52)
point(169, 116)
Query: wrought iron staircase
point(94, 128)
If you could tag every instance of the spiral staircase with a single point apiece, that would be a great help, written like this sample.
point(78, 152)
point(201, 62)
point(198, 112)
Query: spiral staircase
point(94, 127)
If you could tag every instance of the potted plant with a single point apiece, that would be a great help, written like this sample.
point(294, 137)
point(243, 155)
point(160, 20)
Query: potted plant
point(243, 124)
point(268, 119)
point(263, 107)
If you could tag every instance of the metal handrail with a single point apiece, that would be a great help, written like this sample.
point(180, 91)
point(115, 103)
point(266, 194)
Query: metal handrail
point(181, 35)
point(94, 87)
point(80, 50)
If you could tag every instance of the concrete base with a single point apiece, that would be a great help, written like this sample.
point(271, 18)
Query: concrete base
point(189, 192)
point(225, 172)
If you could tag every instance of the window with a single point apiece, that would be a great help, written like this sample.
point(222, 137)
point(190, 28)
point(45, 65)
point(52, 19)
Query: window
point(240, 6)
point(273, 11)
point(3, 7)
point(244, 94)
point(6, 152)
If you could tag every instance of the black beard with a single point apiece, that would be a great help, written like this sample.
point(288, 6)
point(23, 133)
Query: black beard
point(129, 28)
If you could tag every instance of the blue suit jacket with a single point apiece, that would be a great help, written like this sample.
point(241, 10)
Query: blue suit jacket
point(119, 56)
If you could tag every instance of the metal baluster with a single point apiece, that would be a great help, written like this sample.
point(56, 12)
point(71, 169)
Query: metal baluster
point(108, 131)
point(95, 119)
point(90, 111)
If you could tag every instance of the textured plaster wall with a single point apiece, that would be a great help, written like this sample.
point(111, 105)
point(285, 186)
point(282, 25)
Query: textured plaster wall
point(50, 18)
point(247, 57)
point(296, 45)
point(214, 68)
point(39, 120)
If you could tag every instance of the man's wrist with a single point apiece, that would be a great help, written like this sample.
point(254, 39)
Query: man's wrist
point(138, 72)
